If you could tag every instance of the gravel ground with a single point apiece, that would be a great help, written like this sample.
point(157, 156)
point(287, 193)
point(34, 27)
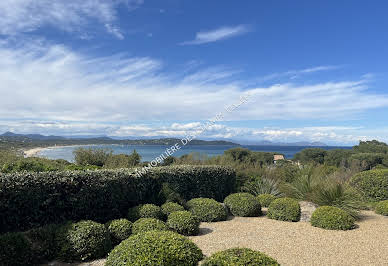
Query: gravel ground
point(295, 243)
point(300, 243)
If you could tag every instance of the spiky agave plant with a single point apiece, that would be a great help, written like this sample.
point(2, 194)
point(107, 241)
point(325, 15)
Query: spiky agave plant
point(260, 185)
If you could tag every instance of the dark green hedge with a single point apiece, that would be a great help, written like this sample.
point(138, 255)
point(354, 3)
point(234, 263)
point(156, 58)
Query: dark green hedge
point(372, 184)
point(239, 257)
point(332, 218)
point(29, 200)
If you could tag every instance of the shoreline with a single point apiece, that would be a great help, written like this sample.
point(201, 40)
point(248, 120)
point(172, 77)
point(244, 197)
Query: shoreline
point(34, 152)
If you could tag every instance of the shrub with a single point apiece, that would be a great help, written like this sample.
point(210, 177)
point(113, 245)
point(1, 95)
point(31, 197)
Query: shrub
point(183, 222)
point(85, 240)
point(43, 242)
point(207, 210)
point(239, 257)
point(171, 207)
point(148, 224)
point(34, 199)
point(91, 156)
point(243, 204)
point(333, 218)
point(284, 209)
point(258, 185)
point(119, 230)
point(372, 184)
point(155, 248)
point(145, 211)
point(265, 199)
point(15, 250)
point(382, 207)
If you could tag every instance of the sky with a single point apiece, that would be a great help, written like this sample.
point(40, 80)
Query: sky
point(311, 70)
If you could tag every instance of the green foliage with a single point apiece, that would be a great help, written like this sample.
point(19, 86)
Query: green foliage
point(284, 209)
point(338, 157)
point(119, 230)
point(183, 222)
point(311, 155)
point(373, 146)
point(31, 200)
point(238, 154)
point(382, 207)
point(15, 250)
point(145, 211)
point(366, 161)
point(91, 156)
point(167, 194)
point(82, 241)
point(148, 224)
point(170, 207)
point(372, 184)
point(265, 199)
point(243, 204)
point(122, 160)
point(259, 185)
point(207, 210)
point(239, 257)
point(43, 242)
point(333, 218)
point(155, 248)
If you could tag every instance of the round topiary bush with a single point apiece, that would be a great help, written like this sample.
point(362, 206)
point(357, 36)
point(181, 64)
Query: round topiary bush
point(243, 204)
point(265, 199)
point(170, 207)
point(155, 248)
point(382, 208)
point(239, 257)
point(15, 249)
point(284, 209)
point(183, 222)
point(145, 211)
point(372, 184)
point(119, 230)
point(148, 224)
point(207, 210)
point(333, 218)
point(85, 240)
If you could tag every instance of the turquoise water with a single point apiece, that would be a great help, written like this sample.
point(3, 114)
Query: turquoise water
point(150, 152)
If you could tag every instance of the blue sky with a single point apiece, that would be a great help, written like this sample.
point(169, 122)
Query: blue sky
point(314, 70)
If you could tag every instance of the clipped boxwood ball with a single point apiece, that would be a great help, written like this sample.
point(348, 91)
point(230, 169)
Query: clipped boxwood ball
point(85, 240)
point(183, 222)
point(333, 218)
point(207, 210)
point(382, 207)
point(243, 204)
point(239, 257)
point(15, 249)
point(163, 248)
point(119, 230)
point(148, 224)
point(284, 209)
point(265, 199)
point(170, 207)
point(145, 211)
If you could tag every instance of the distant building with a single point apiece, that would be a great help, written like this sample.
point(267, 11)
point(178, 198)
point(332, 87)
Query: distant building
point(277, 157)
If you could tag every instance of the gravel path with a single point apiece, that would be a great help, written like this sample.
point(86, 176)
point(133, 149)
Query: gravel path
point(300, 243)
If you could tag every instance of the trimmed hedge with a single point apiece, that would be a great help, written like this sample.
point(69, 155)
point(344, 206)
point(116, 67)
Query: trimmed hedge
point(148, 224)
point(170, 207)
point(15, 250)
point(155, 248)
point(372, 184)
point(31, 200)
point(145, 211)
point(284, 209)
point(82, 241)
point(239, 257)
point(382, 207)
point(243, 204)
point(183, 222)
point(332, 218)
point(265, 199)
point(207, 210)
point(119, 230)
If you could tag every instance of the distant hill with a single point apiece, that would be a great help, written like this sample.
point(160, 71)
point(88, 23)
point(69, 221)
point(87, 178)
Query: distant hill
point(270, 143)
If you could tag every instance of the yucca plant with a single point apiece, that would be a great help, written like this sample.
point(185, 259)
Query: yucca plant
point(260, 185)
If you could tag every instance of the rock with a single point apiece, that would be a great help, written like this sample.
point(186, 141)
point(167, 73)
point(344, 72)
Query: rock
point(307, 208)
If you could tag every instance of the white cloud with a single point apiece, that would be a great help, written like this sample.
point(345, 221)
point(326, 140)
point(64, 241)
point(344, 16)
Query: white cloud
point(20, 16)
point(218, 34)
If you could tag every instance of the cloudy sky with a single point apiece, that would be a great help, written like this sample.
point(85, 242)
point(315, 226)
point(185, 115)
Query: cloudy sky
point(314, 71)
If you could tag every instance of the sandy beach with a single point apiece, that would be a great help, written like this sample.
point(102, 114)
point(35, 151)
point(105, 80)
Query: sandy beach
point(33, 152)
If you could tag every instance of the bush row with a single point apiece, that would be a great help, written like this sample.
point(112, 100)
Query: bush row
point(30, 200)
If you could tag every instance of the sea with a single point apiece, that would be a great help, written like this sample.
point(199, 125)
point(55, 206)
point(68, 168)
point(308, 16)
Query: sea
point(150, 152)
